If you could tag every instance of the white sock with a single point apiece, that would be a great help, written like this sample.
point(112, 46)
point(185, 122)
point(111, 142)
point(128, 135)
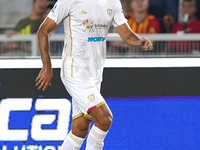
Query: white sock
point(72, 142)
point(95, 139)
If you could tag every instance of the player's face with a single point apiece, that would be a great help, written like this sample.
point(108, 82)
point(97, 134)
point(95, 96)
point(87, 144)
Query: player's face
point(188, 8)
point(39, 6)
point(140, 5)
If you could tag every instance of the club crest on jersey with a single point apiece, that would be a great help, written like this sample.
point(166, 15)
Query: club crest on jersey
point(91, 97)
point(109, 12)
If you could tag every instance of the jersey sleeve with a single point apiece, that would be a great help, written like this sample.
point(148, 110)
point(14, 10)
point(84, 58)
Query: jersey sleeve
point(118, 18)
point(60, 10)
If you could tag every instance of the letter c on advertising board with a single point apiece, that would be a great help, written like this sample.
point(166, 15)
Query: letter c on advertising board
point(63, 106)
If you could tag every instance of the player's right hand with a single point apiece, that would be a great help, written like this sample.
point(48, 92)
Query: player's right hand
point(44, 78)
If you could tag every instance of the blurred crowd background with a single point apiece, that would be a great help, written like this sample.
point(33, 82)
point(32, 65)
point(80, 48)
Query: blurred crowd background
point(157, 18)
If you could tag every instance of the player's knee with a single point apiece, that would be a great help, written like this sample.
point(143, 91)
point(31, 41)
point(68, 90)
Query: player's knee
point(80, 127)
point(83, 128)
point(80, 131)
point(104, 122)
point(108, 120)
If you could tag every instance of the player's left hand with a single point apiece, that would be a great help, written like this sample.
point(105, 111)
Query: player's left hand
point(147, 44)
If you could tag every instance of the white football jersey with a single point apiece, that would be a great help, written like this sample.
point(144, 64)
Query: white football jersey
point(86, 24)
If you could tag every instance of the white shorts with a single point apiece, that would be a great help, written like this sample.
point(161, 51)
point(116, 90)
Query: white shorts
point(85, 95)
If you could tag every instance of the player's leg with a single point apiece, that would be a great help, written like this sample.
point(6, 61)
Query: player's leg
point(102, 115)
point(81, 126)
point(75, 138)
point(90, 101)
point(103, 118)
point(79, 129)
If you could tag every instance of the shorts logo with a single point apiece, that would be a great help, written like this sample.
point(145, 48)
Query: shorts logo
point(109, 12)
point(91, 98)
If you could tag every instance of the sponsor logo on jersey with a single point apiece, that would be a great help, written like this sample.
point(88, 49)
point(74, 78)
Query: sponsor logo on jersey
point(96, 39)
point(82, 12)
point(109, 12)
point(101, 25)
point(88, 25)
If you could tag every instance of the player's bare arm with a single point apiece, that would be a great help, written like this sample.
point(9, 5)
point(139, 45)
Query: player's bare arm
point(43, 80)
point(131, 38)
